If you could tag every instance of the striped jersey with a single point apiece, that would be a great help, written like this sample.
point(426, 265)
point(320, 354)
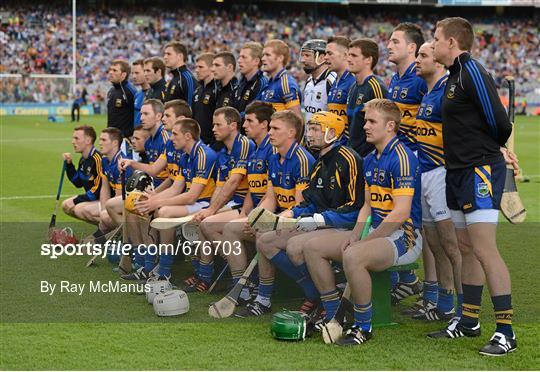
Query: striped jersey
point(282, 91)
point(337, 98)
point(199, 167)
point(154, 147)
point(258, 170)
point(172, 156)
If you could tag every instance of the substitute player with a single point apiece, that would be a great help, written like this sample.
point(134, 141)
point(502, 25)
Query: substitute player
point(282, 90)
point(320, 78)
point(252, 81)
point(231, 190)
point(121, 98)
point(406, 89)
point(223, 69)
point(182, 85)
point(392, 198)
point(257, 118)
point(204, 100)
point(362, 59)
point(438, 227)
point(476, 127)
point(336, 57)
point(288, 176)
point(154, 70)
point(88, 175)
point(138, 78)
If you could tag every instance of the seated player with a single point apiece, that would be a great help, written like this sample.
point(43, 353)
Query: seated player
point(111, 188)
point(288, 176)
point(195, 178)
point(231, 190)
point(257, 118)
point(88, 175)
point(392, 198)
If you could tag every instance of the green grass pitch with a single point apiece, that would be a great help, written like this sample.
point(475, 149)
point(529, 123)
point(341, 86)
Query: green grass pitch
point(120, 331)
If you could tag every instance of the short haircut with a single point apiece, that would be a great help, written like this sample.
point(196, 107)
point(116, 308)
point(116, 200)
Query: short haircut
point(191, 126)
point(369, 48)
point(88, 131)
point(178, 47)
point(114, 134)
point(180, 108)
point(262, 110)
point(157, 105)
point(280, 48)
point(255, 49)
point(340, 40)
point(291, 119)
point(140, 129)
point(138, 62)
point(387, 108)
point(230, 114)
point(413, 34)
point(157, 64)
point(206, 58)
point(124, 66)
point(228, 59)
point(460, 29)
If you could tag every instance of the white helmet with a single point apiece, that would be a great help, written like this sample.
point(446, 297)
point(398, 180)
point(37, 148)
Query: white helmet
point(156, 287)
point(170, 303)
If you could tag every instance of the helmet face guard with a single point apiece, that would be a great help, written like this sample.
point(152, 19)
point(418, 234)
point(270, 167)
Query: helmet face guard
point(318, 47)
point(326, 120)
point(139, 181)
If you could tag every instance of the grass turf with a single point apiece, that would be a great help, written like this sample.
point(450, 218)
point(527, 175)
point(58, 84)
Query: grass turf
point(120, 331)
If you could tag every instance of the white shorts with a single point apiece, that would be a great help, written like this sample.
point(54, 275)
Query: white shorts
point(197, 206)
point(434, 207)
point(462, 220)
point(407, 247)
point(232, 204)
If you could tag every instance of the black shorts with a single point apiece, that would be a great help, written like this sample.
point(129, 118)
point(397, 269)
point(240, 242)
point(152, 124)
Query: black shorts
point(474, 188)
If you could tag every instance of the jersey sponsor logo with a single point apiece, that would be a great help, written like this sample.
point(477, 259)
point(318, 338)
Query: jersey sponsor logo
point(426, 132)
point(406, 113)
point(253, 184)
point(376, 197)
point(312, 109)
point(451, 92)
point(338, 112)
point(286, 199)
point(403, 93)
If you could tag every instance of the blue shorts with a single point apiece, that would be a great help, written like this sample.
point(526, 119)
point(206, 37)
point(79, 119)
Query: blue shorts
point(475, 188)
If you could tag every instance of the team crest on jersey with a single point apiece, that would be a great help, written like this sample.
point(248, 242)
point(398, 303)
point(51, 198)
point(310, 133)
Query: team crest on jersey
point(88, 170)
point(226, 101)
point(269, 94)
point(452, 91)
point(320, 183)
point(381, 176)
point(359, 99)
point(118, 102)
point(259, 165)
point(395, 92)
point(287, 179)
point(206, 99)
point(483, 189)
point(318, 96)
point(338, 94)
point(429, 110)
point(403, 93)
point(196, 98)
point(231, 162)
point(246, 95)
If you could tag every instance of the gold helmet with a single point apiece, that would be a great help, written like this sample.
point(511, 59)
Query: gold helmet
point(132, 198)
point(328, 120)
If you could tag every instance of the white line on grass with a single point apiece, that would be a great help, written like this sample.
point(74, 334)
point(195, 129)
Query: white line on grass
point(25, 197)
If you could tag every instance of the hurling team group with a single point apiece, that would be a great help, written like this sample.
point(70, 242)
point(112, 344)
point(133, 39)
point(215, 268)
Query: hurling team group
point(421, 162)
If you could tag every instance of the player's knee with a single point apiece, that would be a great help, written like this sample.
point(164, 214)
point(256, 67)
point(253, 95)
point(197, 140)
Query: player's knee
point(233, 228)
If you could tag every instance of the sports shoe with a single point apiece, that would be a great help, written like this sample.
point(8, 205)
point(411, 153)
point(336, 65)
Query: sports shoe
point(191, 280)
point(254, 308)
point(455, 330)
point(198, 286)
point(354, 336)
point(404, 290)
point(414, 307)
point(139, 275)
point(311, 308)
point(430, 312)
point(499, 345)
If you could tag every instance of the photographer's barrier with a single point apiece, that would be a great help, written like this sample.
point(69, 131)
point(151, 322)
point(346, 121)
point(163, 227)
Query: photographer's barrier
point(45, 109)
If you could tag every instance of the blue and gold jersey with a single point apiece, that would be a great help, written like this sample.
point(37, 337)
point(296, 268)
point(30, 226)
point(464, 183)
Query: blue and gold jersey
point(172, 156)
point(394, 173)
point(407, 92)
point(429, 128)
point(291, 175)
point(154, 147)
point(199, 167)
point(258, 170)
point(282, 92)
point(235, 162)
point(337, 98)
point(112, 173)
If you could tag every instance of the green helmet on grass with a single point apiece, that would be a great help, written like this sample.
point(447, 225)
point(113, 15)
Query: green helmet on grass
point(289, 325)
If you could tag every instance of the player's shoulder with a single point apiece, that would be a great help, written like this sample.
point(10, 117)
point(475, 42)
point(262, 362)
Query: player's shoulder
point(403, 159)
point(303, 155)
point(377, 86)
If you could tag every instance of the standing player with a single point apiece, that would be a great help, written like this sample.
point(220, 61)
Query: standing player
point(154, 70)
point(476, 127)
point(139, 79)
point(231, 190)
point(288, 177)
point(182, 85)
point(121, 98)
point(438, 227)
point(88, 175)
point(392, 198)
point(362, 59)
point(256, 121)
point(320, 78)
point(282, 90)
point(223, 68)
point(406, 90)
point(336, 57)
point(253, 81)
point(204, 100)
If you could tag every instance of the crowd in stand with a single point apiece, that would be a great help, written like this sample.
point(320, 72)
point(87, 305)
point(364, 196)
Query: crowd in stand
point(37, 39)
